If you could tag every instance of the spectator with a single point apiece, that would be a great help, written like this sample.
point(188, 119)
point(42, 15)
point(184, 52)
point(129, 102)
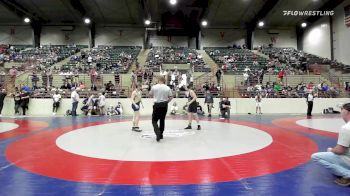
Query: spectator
point(90, 105)
point(82, 85)
point(66, 85)
point(174, 109)
point(109, 86)
point(102, 103)
point(245, 78)
point(119, 109)
point(258, 99)
point(24, 101)
point(218, 75)
point(337, 159)
point(75, 100)
point(133, 79)
point(200, 110)
point(93, 76)
point(17, 100)
point(209, 100)
point(56, 102)
point(35, 80)
point(225, 106)
point(206, 86)
point(281, 74)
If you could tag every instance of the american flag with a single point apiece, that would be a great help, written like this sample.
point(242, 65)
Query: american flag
point(347, 15)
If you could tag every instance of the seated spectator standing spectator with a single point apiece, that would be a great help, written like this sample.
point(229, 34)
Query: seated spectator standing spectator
point(56, 102)
point(200, 110)
point(17, 100)
point(93, 76)
point(281, 74)
point(206, 86)
point(337, 159)
point(102, 103)
point(218, 75)
point(245, 78)
point(24, 101)
point(109, 86)
point(209, 100)
point(225, 106)
point(174, 108)
point(118, 109)
point(66, 85)
point(75, 101)
point(35, 80)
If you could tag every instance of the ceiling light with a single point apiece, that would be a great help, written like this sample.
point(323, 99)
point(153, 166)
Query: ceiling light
point(87, 20)
point(147, 22)
point(303, 24)
point(173, 2)
point(261, 24)
point(26, 20)
point(204, 23)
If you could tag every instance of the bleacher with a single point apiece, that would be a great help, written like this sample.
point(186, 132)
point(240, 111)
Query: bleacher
point(47, 55)
point(108, 59)
point(234, 61)
point(175, 55)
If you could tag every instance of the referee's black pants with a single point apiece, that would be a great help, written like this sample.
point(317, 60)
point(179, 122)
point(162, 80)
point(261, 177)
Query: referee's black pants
point(1, 105)
point(159, 113)
point(310, 105)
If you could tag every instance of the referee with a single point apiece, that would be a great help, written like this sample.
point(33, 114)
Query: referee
point(162, 96)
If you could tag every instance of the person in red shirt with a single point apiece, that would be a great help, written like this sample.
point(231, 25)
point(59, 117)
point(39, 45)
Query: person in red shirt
point(93, 76)
point(281, 74)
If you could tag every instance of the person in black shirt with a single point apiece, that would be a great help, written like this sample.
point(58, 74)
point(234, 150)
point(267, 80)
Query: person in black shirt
point(218, 76)
point(18, 101)
point(2, 97)
point(25, 101)
point(225, 106)
point(206, 86)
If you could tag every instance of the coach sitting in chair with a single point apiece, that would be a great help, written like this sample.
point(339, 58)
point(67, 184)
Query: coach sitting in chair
point(225, 106)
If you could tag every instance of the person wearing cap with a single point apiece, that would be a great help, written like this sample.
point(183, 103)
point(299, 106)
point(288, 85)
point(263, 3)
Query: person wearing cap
point(162, 95)
point(337, 159)
point(75, 100)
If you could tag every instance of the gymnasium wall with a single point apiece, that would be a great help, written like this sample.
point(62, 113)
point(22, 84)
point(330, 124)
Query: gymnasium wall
point(169, 41)
point(223, 37)
point(279, 37)
point(316, 39)
point(40, 107)
point(341, 34)
point(119, 36)
point(56, 36)
point(21, 35)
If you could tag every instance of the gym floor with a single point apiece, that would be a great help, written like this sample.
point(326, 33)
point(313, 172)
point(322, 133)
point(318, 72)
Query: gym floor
point(247, 155)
